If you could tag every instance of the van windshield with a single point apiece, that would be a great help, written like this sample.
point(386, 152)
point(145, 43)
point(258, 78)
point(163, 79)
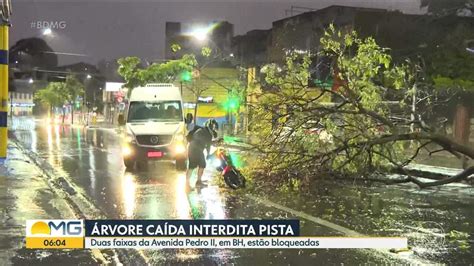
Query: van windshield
point(166, 111)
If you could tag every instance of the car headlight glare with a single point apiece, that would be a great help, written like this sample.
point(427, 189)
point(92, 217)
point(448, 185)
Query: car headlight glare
point(126, 150)
point(180, 148)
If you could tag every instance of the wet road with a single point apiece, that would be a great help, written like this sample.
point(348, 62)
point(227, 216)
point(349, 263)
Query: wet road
point(91, 159)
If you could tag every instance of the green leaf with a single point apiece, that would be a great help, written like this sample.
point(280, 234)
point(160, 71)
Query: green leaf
point(206, 51)
point(175, 47)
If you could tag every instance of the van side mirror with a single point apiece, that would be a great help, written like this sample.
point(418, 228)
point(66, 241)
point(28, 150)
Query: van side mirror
point(121, 119)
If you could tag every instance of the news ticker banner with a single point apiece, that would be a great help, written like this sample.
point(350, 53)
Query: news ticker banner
point(202, 234)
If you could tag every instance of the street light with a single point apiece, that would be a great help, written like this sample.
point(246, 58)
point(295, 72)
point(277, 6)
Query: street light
point(89, 76)
point(30, 81)
point(47, 31)
point(200, 33)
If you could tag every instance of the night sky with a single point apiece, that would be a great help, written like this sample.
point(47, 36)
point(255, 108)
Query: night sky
point(108, 29)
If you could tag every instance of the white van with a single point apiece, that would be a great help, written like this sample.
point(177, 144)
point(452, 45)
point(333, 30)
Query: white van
point(155, 126)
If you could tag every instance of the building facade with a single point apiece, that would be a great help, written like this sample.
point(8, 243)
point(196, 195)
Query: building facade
point(21, 103)
point(251, 49)
point(207, 93)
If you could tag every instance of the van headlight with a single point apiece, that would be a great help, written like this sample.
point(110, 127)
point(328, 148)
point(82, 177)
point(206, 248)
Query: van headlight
point(126, 150)
point(179, 142)
point(180, 148)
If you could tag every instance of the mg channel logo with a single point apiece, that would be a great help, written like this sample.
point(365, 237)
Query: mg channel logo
point(54, 234)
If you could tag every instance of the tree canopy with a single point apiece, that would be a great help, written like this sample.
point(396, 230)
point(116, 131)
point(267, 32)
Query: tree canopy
point(360, 133)
point(135, 75)
point(56, 94)
point(52, 95)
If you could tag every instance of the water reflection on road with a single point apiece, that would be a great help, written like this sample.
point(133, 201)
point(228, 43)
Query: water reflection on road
point(92, 159)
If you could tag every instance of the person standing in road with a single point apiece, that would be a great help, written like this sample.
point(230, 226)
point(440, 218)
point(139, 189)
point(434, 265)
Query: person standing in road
point(200, 139)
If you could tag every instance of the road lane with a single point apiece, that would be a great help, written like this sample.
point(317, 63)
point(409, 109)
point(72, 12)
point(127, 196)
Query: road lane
point(91, 159)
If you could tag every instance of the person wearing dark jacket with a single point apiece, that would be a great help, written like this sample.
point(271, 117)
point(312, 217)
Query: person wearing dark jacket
point(200, 139)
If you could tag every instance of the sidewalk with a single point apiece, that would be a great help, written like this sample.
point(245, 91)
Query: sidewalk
point(25, 194)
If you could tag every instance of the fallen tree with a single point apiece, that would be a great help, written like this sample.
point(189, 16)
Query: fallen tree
point(368, 128)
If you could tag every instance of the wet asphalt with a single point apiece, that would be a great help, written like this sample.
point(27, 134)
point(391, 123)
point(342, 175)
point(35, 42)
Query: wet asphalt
point(91, 159)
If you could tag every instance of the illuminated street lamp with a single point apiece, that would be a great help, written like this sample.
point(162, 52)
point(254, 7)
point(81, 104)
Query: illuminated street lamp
point(30, 81)
point(89, 76)
point(47, 31)
point(200, 33)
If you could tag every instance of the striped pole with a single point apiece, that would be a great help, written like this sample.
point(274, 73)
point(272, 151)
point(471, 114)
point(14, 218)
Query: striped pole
point(3, 89)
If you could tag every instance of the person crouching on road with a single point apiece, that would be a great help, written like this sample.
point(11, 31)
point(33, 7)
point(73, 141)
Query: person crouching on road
point(199, 138)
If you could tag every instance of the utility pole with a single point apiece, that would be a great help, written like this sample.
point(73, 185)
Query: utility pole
point(5, 13)
point(11, 106)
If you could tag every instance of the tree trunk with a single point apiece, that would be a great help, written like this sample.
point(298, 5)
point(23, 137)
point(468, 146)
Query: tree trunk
point(195, 111)
point(72, 114)
point(52, 114)
point(462, 124)
point(462, 127)
point(64, 114)
point(229, 123)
